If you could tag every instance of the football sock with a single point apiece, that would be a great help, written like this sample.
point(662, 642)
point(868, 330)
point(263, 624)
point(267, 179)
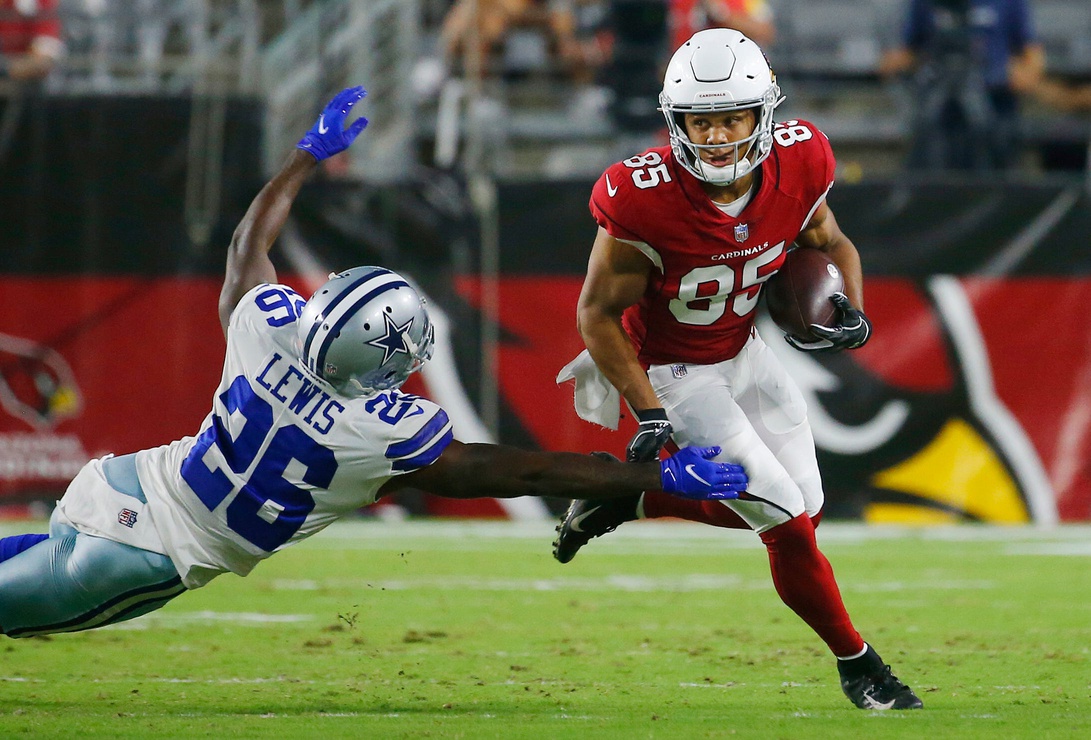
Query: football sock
point(860, 654)
point(12, 546)
point(868, 663)
point(804, 580)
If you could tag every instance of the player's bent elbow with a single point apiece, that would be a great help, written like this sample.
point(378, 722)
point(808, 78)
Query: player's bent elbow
point(592, 321)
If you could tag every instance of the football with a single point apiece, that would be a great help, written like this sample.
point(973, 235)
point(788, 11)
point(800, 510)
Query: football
point(798, 295)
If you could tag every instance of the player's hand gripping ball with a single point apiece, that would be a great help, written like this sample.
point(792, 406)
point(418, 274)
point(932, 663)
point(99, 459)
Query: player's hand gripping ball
point(806, 299)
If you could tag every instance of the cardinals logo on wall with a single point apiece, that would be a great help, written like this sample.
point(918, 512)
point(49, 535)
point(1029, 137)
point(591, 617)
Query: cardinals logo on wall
point(945, 449)
point(36, 383)
point(37, 390)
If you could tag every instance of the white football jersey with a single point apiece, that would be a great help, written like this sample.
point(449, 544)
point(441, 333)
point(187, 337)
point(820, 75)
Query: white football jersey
point(281, 456)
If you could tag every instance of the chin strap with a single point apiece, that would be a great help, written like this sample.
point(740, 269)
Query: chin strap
point(742, 169)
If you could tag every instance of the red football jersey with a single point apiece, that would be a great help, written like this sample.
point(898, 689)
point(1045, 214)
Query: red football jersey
point(700, 301)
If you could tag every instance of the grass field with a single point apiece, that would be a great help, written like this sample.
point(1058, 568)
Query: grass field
point(377, 630)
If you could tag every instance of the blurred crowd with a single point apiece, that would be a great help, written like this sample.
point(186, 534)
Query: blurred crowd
point(30, 39)
point(971, 66)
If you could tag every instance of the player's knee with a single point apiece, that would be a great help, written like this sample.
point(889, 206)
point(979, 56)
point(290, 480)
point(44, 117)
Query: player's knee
point(796, 534)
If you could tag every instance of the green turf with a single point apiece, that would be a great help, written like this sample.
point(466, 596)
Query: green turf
point(660, 630)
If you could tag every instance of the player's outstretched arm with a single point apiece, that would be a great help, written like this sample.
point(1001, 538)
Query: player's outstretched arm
point(248, 262)
point(499, 471)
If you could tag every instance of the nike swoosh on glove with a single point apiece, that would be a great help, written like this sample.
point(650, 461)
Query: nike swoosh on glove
point(329, 136)
point(852, 330)
point(691, 473)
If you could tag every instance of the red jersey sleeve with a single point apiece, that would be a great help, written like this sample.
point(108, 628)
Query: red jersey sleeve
point(828, 162)
point(612, 203)
point(621, 206)
point(807, 163)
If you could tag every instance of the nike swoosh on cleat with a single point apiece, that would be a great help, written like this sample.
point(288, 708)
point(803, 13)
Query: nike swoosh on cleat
point(574, 525)
point(689, 471)
point(611, 189)
point(322, 127)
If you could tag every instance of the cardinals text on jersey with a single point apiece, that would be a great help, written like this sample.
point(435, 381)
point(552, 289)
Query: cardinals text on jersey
point(709, 266)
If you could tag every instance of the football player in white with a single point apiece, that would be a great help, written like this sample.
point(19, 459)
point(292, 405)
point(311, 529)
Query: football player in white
point(307, 425)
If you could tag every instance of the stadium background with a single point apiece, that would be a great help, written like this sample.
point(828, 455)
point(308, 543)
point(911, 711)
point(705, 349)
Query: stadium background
point(119, 188)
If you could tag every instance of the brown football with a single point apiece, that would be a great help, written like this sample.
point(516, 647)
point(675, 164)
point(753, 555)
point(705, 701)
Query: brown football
point(798, 295)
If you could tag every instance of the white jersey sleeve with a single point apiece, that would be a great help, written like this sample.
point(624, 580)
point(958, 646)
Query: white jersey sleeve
point(281, 455)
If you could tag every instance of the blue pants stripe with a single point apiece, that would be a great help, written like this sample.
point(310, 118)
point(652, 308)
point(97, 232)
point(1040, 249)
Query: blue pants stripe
point(74, 581)
point(117, 609)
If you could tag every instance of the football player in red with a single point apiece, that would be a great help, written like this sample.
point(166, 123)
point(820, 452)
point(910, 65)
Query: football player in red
point(687, 235)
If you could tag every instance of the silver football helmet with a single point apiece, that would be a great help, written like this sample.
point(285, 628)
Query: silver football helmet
point(365, 330)
point(719, 70)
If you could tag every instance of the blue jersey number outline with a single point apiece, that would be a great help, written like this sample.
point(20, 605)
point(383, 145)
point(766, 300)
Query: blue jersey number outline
point(268, 509)
point(274, 300)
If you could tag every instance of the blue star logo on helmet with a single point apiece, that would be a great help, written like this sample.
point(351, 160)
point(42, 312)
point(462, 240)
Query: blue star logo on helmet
point(394, 341)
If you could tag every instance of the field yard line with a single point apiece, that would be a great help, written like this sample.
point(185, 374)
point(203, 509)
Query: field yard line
point(673, 583)
point(668, 537)
point(688, 531)
point(350, 531)
point(179, 617)
point(1050, 548)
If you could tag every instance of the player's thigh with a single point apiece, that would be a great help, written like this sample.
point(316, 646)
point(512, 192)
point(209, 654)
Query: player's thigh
point(74, 581)
point(777, 410)
point(703, 412)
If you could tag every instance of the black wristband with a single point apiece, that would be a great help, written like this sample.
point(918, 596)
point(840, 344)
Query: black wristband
point(651, 415)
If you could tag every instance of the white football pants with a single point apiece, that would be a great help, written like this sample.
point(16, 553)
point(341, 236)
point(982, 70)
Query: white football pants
point(751, 408)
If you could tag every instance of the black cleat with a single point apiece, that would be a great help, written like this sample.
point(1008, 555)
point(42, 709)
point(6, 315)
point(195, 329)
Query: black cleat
point(587, 519)
point(876, 687)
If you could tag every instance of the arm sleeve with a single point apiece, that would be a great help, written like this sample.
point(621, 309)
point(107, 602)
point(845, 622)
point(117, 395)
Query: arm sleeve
point(828, 158)
point(266, 305)
point(419, 440)
point(611, 212)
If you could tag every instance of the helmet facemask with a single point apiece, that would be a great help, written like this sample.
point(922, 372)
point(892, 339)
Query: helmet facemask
point(718, 71)
point(393, 374)
point(366, 330)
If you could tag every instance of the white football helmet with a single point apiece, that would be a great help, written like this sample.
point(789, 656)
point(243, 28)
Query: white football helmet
point(365, 330)
point(719, 70)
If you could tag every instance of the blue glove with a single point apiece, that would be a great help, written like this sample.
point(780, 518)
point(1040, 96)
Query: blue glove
point(691, 473)
point(329, 136)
